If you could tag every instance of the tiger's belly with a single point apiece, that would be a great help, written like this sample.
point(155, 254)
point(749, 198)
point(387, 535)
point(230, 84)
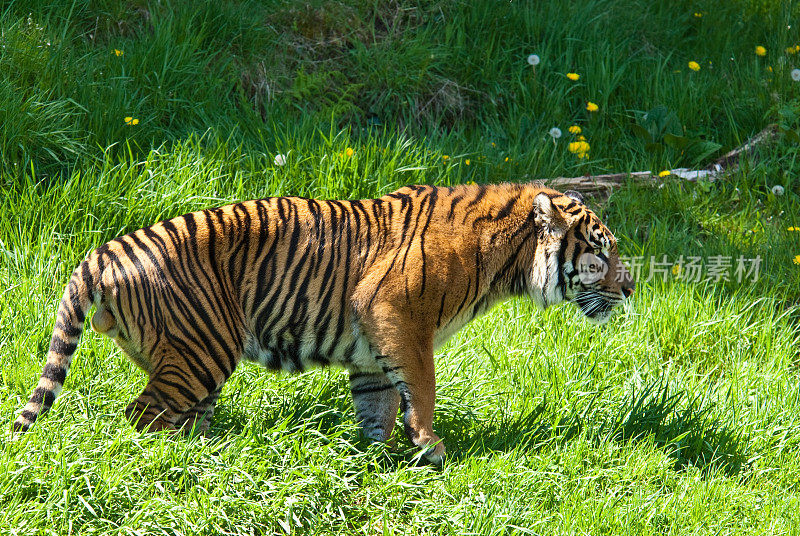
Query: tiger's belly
point(291, 352)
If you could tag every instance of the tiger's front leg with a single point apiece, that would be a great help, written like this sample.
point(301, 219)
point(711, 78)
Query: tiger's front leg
point(376, 402)
point(406, 356)
point(414, 379)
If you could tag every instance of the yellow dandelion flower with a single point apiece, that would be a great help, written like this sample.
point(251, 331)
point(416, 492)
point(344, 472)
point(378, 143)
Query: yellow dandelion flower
point(581, 138)
point(693, 65)
point(574, 129)
point(676, 269)
point(592, 107)
point(118, 52)
point(349, 151)
point(761, 51)
point(131, 121)
point(797, 259)
point(506, 159)
point(493, 144)
point(573, 76)
point(579, 148)
point(698, 14)
point(769, 68)
point(793, 229)
point(664, 173)
point(466, 161)
point(445, 158)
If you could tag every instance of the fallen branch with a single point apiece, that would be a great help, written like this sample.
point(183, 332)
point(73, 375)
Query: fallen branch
point(602, 185)
point(731, 160)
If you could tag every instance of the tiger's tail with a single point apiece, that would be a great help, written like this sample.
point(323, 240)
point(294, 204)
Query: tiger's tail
point(72, 311)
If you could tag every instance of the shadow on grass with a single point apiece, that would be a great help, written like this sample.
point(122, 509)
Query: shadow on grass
point(325, 410)
point(681, 425)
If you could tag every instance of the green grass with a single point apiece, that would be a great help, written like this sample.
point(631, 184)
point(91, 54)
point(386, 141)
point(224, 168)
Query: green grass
point(681, 416)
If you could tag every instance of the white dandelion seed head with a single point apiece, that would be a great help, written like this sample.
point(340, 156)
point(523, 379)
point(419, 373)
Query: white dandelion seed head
point(534, 60)
point(777, 190)
point(280, 160)
point(795, 75)
point(555, 133)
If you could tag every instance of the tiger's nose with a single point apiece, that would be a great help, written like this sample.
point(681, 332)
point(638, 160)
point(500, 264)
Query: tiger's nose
point(627, 291)
point(627, 284)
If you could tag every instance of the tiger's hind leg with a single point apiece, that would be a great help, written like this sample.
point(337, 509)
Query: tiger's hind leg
point(376, 402)
point(152, 410)
point(178, 393)
point(199, 417)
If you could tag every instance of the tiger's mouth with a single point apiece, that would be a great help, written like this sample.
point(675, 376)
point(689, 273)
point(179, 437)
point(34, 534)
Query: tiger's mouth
point(597, 305)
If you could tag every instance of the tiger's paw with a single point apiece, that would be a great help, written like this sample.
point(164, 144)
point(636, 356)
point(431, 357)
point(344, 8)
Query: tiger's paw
point(432, 452)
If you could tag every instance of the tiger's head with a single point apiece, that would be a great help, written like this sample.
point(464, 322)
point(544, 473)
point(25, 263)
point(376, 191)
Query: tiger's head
point(577, 258)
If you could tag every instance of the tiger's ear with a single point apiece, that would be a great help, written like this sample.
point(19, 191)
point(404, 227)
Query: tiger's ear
point(547, 215)
point(575, 196)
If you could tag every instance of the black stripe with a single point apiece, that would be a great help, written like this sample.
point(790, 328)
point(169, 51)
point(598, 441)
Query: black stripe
point(68, 329)
point(86, 272)
point(43, 397)
point(120, 282)
point(456, 200)
point(506, 210)
point(370, 389)
point(357, 375)
point(502, 276)
point(433, 196)
point(75, 298)
point(464, 301)
point(241, 251)
point(344, 277)
point(179, 386)
point(560, 281)
point(54, 373)
point(441, 310)
point(62, 347)
point(473, 202)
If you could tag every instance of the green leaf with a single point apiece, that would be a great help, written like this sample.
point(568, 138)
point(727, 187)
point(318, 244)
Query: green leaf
point(702, 149)
point(642, 132)
point(660, 121)
point(676, 142)
point(654, 148)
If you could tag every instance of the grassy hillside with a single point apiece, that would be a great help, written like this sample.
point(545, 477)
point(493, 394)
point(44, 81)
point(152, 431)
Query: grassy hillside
point(680, 416)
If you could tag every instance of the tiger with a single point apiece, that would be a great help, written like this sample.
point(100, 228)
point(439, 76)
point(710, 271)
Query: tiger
point(373, 286)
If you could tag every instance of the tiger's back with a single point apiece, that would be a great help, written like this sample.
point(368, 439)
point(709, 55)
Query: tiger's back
point(371, 285)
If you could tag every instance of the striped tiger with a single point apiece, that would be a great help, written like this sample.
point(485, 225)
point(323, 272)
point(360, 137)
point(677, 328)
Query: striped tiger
point(373, 286)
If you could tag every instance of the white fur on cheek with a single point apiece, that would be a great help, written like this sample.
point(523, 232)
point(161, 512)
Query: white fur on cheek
point(544, 276)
